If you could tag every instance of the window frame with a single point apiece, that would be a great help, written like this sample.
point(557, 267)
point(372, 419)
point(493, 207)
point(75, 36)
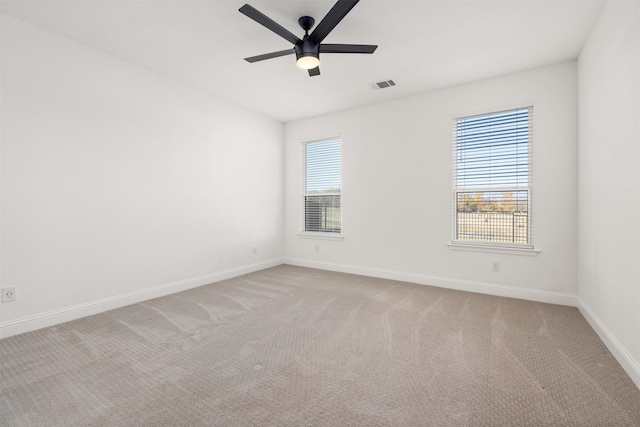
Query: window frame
point(304, 194)
point(487, 245)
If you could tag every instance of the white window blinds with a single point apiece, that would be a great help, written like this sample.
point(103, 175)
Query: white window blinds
point(321, 176)
point(493, 177)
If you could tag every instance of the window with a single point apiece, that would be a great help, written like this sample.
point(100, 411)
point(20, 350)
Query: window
point(321, 175)
point(492, 177)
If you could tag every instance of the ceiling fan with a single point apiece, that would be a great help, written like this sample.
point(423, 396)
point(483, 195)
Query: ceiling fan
point(309, 48)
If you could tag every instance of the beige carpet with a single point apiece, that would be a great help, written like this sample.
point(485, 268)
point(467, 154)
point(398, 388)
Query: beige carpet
point(291, 346)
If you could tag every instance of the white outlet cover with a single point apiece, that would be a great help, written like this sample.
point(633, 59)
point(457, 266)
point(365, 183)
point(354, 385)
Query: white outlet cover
point(8, 294)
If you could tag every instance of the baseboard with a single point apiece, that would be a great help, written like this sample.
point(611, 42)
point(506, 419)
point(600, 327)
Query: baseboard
point(626, 360)
point(54, 317)
point(461, 285)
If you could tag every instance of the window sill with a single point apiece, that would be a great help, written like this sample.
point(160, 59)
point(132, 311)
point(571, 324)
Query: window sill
point(323, 236)
point(493, 249)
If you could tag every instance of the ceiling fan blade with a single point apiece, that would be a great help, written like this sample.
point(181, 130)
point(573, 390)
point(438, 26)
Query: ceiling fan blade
point(269, 23)
point(314, 72)
point(333, 18)
point(269, 55)
point(347, 48)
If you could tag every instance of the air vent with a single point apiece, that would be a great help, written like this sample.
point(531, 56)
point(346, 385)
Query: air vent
point(383, 84)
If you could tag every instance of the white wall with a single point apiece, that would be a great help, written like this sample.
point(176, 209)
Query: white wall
point(609, 181)
point(397, 198)
point(119, 185)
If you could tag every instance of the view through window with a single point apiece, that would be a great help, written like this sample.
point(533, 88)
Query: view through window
point(321, 176)
point(492, 178)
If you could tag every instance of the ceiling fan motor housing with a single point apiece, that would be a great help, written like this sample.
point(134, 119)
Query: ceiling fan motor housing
point(307, 48)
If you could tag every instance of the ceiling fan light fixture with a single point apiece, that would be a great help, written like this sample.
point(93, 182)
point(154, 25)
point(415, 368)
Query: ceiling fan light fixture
point(307, 48)
point(308, 62)
point(307, 54)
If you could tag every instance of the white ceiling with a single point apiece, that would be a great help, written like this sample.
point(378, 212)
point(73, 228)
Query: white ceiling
point(423, 45)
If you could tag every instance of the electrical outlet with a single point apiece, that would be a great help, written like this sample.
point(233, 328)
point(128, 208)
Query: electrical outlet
point(317, 248)
point(9, 294)
point(495, 266)
point(255, 250)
